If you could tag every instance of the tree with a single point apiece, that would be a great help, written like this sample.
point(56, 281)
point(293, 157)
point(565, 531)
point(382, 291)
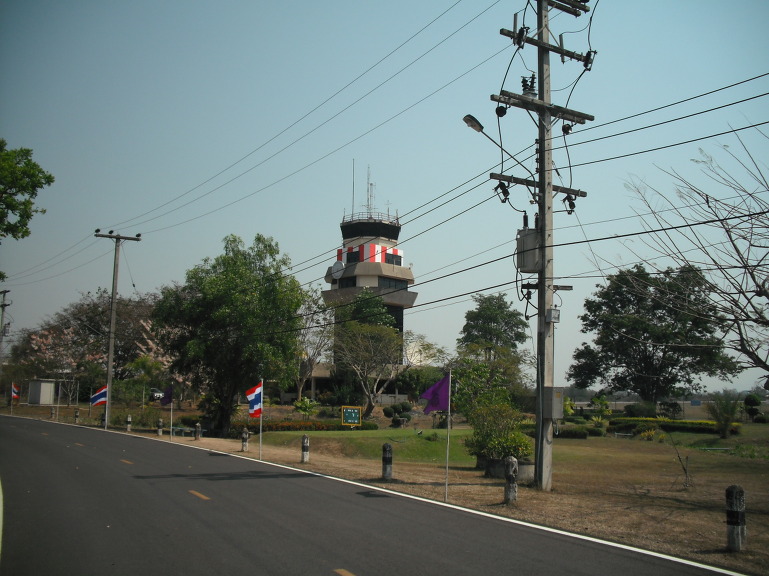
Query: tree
point(233, 321)
point(315, 335)
point(752, 405)
point(415, 381)
point(20, 180)
point(723, 227)
point(488, 355)
point(492, 328)
point(475, 386)
point(366, 308)
point(653, 333)
point(147, 373)
point(722, 408)
point(497, 433)
point(372, 351)
point(74, 340)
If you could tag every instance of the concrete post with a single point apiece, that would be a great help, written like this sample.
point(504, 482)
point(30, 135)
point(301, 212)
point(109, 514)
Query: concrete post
point(53, 411)
point(160, 426)
point(77, 415)
point(736, 533)
point(305, 449)
point(387, 462)
point(511, 474)
point(128, 423)
point(244, 439)
point(198, 430)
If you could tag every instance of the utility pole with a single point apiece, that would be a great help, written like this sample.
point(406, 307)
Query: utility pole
point(3, 306)
point(547, 112)
point(113, 314)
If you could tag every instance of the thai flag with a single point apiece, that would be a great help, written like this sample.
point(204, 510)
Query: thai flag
point(99, 397)
point(254, 396)
point(14, 391)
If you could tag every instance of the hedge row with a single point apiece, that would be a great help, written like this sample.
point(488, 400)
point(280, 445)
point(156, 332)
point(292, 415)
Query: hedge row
point(299, 426)
point(630, 425)
point(580, 432)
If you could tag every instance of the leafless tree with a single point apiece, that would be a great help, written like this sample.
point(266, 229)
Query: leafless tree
point(315, 336)
point(722, 228)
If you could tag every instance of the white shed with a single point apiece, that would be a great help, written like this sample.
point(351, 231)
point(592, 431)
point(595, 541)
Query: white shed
point(42, 392)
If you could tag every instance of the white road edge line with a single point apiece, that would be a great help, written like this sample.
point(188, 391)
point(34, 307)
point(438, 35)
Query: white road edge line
point(714, 569)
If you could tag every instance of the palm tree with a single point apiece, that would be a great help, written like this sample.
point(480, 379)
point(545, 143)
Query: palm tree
point(723, 408)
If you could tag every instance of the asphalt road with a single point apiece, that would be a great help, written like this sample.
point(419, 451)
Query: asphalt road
point(79, 501)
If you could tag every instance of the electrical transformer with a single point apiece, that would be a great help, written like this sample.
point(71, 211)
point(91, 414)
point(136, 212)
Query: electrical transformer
point(527, 250)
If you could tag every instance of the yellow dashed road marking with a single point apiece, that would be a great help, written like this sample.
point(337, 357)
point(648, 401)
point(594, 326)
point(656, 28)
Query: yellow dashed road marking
point(79, 444)
point(126, 461)
point(343, 572)
point(199, 495)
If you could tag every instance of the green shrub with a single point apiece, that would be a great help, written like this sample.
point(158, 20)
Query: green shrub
point(578, 432)
point(630, 425)
point(575, 420)
point(298, 426)
point(189, 421)
point(497, 433)
point(405, 407)
point(641, 410)
point(388, 411)
point(760, 419)
point(596, 431)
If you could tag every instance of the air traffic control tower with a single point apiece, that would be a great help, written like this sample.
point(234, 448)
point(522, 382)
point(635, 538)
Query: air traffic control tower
point(370, 258)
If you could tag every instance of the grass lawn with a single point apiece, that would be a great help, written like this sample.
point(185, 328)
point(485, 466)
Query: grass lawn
point(406, 444)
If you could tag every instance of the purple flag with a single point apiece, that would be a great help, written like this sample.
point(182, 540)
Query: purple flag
point(168, 396)
point(437, 395)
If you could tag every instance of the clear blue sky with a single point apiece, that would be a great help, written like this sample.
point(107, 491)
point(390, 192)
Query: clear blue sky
point(188, 120)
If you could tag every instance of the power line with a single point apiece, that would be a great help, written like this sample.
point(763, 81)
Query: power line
point(433, 200)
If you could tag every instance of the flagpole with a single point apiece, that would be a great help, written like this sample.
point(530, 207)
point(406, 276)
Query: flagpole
point(448, 438)
point(261, 413)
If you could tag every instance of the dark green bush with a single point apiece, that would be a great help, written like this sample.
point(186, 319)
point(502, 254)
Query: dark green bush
point(405, 407)
point(579, 432)
point(630, 425)
point(575, 420)
point(593, 431)
point(298, 425)
point(641, 410)
point(760, 419)
point(388, 411)
point(189, 421)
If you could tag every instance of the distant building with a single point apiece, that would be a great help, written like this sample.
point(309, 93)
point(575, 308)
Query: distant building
point(42, 392)
point(370, 258)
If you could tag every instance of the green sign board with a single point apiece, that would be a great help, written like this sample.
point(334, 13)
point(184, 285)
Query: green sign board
point(351, 415)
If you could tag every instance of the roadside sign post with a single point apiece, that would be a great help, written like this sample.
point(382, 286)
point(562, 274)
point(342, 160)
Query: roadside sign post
point(351, 415)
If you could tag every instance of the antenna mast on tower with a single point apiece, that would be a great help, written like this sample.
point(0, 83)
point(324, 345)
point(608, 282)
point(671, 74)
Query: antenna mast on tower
point(369, 193)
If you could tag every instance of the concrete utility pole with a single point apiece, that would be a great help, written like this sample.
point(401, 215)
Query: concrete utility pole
point(3, 306)
point(543, 470)
point(113, 314)
point(546, 111)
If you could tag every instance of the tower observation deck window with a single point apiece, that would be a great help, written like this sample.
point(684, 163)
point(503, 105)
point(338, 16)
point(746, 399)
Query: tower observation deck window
point(392, 283)
point(347, 282)
point(393, 259)
point(353, 257)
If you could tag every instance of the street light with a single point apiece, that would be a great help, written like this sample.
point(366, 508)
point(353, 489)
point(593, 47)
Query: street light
point(472, 122)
